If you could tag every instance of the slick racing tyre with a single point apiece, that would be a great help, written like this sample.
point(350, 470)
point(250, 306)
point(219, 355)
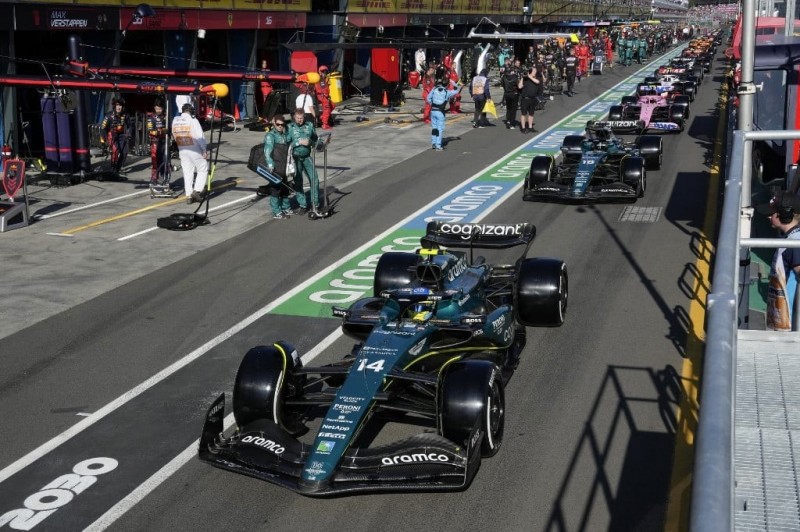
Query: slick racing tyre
point(470, 395)
point(690, 89)
point(541, 170)
point(651, 150)
point(263, 382)
point(651, 79)
point(634, 175)
point(683, 101)
point(572, 146)
point(395, 270)
point(627, 100)
point(677, 114)
point(615, 112)
point(540, 292)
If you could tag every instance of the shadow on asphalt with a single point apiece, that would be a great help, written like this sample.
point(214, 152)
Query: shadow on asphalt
point(637, 500)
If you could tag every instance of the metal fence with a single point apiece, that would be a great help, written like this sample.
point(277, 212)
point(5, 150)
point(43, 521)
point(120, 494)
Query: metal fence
point(713, 481)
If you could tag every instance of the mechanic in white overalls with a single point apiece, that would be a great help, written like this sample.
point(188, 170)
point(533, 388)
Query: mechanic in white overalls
point(193, 152)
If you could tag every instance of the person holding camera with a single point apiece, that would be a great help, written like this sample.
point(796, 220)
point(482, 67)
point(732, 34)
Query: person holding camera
point(530, 86)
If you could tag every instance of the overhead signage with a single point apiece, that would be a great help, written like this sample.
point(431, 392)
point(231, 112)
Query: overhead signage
point(66, 18)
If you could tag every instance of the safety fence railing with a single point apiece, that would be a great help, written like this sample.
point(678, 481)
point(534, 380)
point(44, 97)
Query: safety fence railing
point(713, 479)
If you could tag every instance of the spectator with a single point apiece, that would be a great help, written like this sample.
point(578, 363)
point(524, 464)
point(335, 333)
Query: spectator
point(193, 152)
point(784, 214)
point(276, 156)
point(479, 88)
point(303, 139)
point(530, 86)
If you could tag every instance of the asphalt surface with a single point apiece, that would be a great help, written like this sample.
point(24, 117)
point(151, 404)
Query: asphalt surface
point(590, 418)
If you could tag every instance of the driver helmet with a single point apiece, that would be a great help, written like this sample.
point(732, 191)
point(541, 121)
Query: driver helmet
point(323, 70)
point(421, 311)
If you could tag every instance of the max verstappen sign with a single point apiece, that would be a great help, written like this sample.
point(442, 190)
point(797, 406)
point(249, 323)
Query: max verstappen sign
point(66, 18)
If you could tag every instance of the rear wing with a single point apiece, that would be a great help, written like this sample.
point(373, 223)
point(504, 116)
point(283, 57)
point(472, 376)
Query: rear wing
point(486, 236)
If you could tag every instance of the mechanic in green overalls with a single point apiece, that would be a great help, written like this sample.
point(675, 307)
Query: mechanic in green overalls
point(622, 43)
point(304, 138)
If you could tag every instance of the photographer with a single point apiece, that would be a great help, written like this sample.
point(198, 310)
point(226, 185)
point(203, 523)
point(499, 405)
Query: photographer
point(530, 87)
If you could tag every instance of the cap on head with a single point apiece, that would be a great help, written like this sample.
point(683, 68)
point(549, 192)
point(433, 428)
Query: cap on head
point(158, 102)
point(118, 101)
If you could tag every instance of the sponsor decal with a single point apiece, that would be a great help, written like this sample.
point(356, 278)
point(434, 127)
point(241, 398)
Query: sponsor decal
point(350, 399)
point(416, 349)
point(414, 458)
point(474, 439)
point(341, 428)
point(333, 435)
point(548, 189)
point(459, 268)
point(265, 443)
point(395, 332)
point(346, 409)
point(616, 190)
point(216, 409)
point(473, 319)
point(326, 447)
point(668, 126)
point(499, 323)
point(58, 493)
point(341, 419)
point(316, 468)
point(467, 230)
point(624, 123)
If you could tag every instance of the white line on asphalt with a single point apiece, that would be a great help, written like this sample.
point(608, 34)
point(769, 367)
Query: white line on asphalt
point(60, 234)
point(79, 427)
point(144, 489)
point(89, 206)
point(212, 209)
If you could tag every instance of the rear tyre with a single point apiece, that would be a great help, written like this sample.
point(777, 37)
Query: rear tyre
point(540, 292)
point(615, 113)
point(471, 395)
point(395, 270)
point(263, 382)
point(628, 100)
point(651, 79)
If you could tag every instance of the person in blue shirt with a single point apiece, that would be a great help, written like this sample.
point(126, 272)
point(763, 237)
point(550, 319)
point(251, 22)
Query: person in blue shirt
point(438, 98)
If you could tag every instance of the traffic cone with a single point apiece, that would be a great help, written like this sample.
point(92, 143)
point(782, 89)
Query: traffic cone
point(236, 115)
point(385, 99)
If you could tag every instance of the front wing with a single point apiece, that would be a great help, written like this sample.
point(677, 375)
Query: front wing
point(425, 462)
point(564, 193)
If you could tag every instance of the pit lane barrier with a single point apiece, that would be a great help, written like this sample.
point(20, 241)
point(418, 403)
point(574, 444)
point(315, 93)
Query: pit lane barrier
point(713, 478)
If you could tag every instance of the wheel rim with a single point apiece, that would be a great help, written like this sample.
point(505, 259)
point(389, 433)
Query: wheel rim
point(495, 411)
point(563, 289)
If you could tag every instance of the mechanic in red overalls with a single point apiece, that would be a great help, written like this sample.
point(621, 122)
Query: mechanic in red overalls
point(609, 51)
point(323, 93)
point(116, 128)
point(455, 101)
point(428, 84)
point(582, 53)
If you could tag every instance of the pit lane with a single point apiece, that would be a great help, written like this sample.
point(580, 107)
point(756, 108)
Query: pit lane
point(566, 378)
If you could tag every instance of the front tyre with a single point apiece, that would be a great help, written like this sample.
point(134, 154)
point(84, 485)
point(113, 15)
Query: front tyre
point(263, 382)
point(471, 397)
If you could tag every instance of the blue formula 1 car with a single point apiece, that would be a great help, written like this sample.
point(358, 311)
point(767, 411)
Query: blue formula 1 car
point(595, 167)
point(436, 345)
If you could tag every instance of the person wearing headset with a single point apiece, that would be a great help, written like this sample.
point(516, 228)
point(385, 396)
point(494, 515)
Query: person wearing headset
point(783, 211)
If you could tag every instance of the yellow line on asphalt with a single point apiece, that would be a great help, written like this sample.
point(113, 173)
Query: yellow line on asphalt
point(128, 214)
point(680, 492)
